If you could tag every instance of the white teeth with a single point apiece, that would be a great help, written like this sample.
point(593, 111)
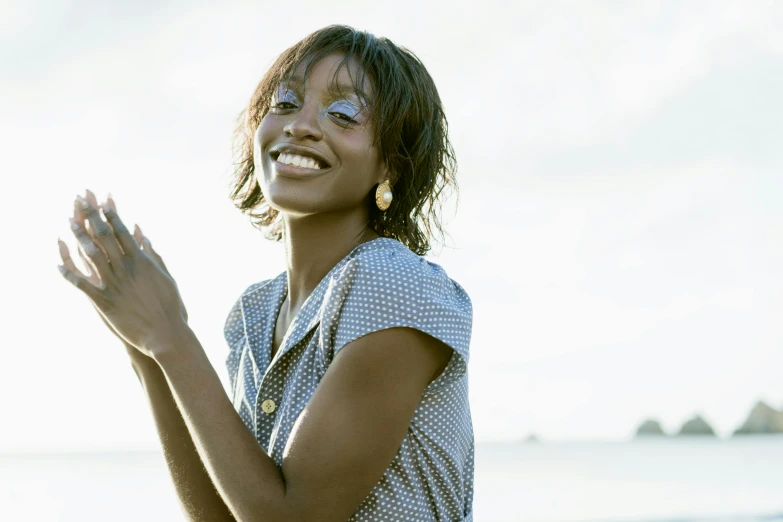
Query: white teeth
point(298, 161)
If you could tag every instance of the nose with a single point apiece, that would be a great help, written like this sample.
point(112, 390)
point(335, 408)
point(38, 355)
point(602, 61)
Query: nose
point(305, 124)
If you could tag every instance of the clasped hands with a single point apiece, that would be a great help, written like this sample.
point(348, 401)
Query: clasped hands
point(129, 285)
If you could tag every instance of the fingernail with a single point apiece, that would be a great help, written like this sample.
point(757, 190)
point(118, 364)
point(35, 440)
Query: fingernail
point(106, 206)
point(82, 202)
point(74, 224)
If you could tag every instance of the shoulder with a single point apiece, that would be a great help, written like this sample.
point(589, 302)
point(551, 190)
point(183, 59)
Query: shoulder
point(385, 285)
point(388, 269)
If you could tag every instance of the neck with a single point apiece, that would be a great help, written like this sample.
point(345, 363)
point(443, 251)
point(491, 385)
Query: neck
point(314, 245)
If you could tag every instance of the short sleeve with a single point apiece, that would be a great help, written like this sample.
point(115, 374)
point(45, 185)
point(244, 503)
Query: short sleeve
point(397, 288)
point(235, 335)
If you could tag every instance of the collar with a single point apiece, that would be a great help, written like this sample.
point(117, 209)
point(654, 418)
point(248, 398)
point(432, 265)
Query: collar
point(261, 307)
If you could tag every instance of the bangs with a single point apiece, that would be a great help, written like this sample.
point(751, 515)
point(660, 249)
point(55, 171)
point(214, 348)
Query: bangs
point(359, 59)
point(358, 86)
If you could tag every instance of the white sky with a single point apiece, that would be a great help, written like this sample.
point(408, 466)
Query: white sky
point(619, 230)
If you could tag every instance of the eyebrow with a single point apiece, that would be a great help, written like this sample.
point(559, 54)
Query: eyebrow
point(344, 87)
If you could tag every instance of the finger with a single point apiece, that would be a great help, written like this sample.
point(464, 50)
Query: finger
point(146, 246)
point(65, 255)
point(93, 276)
point(119, 229)
point(94, 293)
point(159, 260)
point(69, 264)
point(79, 218)
point(99, 261)
point(90, 196)
point(138, 236)
point(102, 232)
point(87, 228)
point(92, 199)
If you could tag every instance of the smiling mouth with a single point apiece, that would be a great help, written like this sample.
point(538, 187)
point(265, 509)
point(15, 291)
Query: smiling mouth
point(298, 161)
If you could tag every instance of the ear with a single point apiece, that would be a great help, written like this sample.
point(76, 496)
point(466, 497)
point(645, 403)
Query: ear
point(385, 174)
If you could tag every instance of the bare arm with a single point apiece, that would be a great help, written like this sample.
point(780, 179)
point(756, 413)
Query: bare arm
point(197, 494)
point(341, 443)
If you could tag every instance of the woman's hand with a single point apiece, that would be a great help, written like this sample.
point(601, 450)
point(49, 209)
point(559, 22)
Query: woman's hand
point(128, 282)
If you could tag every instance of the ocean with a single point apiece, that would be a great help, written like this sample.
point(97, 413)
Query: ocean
point(669, 480)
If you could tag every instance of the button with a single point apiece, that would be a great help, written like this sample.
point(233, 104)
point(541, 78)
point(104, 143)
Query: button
point(268, 406)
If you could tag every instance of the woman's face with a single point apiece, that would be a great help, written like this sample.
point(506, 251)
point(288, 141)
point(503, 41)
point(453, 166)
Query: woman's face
point(324, 125)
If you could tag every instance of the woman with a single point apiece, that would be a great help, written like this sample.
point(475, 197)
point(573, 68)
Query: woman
point(348, 371)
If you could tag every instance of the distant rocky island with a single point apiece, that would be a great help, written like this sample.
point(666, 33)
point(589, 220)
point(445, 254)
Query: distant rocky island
point(650, 427)
point(763, 418)
point(696, 426)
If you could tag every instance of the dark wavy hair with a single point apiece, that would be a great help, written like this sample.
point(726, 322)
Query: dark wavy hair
point(409, 123)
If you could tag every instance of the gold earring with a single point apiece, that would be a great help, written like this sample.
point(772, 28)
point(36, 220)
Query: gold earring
point(383, 195)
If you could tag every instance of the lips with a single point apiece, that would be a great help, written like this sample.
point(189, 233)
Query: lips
point(299, 161)
point(292, 171)
point(301, 151)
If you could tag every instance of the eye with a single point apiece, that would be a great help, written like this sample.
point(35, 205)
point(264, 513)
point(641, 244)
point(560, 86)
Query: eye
point(281, 105)
point(343, 117)
point(344, 111)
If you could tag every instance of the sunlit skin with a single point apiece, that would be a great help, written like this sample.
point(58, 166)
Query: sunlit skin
point(92, 277)
point(324, 216)
point(373, 385)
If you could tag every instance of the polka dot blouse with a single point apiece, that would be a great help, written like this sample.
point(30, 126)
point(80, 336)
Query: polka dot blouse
point(380, 284)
